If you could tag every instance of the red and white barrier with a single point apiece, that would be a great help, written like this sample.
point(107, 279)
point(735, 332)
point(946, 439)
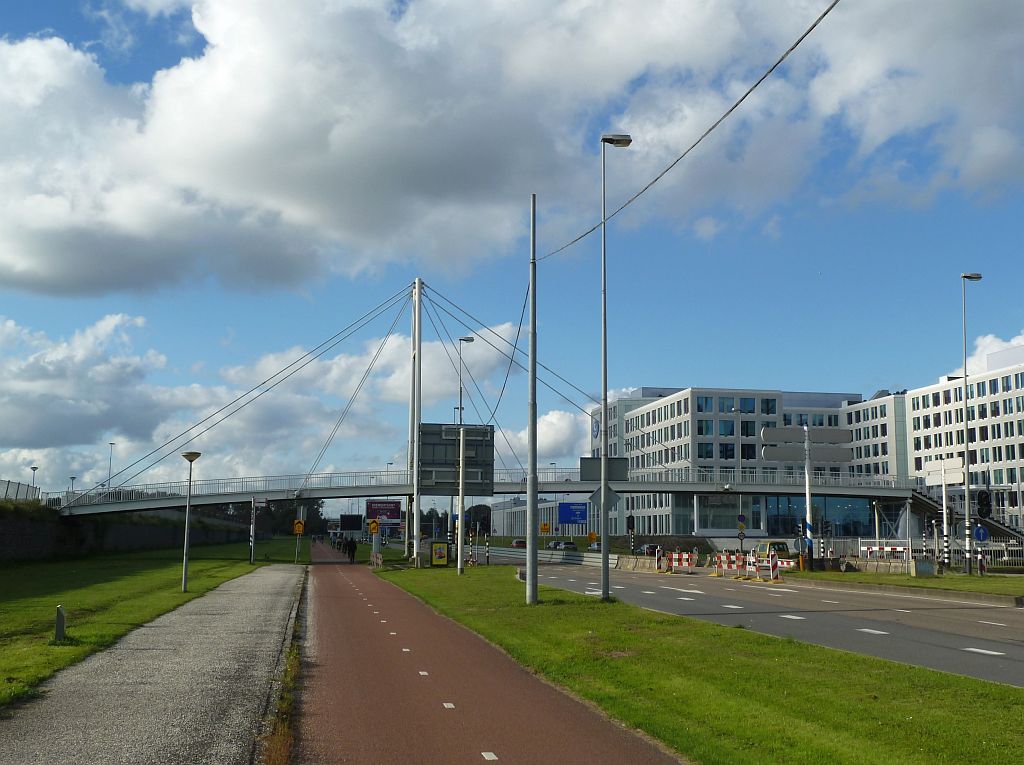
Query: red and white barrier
point(885, 553)
point(678, 562)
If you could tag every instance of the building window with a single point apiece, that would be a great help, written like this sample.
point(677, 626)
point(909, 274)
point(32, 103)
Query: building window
point(818, 420)
point(748, 451)
point(787, 419)
point(705, 451)
point(705, 427)
point(801, 419)
point(768, 405)
point(747, 405)
point(726, 428)
point(981, 388)
point(748, 428)
point(727, 451)
point(704, 404)
point(726, 404)
point(833, 420)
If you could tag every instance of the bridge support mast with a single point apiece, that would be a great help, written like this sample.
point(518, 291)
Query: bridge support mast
point(417, 400)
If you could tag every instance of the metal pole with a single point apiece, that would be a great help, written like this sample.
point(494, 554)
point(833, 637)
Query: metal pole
point(252, 533)
point(410, 454)
point(462, 495)
point(967, 452)
point(188, 508)
point(945, 519)
point(417, 404)
point(808, 528)
point(605, 587)
point(110, 465)
point(531, 475)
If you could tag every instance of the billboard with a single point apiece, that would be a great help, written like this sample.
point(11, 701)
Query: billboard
point(572, 512)
point(346, 523)
point(384, 509)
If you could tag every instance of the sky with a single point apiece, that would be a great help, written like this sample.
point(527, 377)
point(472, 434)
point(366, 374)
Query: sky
point(195, 193)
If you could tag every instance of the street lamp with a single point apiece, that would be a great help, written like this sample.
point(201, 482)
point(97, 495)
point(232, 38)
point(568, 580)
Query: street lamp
point(191, 457)
point(467, 339)
point(73, 484)
point(621, 141)
point(34, 468)
point(964, 278)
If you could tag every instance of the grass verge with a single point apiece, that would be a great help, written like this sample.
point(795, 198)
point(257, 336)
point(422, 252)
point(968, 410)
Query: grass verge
point(1012, 585)
point(724, 695)
point(279, 739)
point(104, 598)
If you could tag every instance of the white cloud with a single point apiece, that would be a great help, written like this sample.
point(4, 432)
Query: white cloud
point(983, 346)
point(706, 228)
point(313, 137)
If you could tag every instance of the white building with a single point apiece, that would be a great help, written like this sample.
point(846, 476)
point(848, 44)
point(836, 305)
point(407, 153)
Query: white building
point(995, 430)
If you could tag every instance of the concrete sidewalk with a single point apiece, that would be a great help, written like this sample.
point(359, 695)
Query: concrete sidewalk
point(189, 687)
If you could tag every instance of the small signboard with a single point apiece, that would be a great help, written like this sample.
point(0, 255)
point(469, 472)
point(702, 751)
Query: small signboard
point(298, 526)
point(438, 554)
point(592, 536)
point(545, 528)
point(980, 534)
point(741, 536)
point(572, 512)
point(373, 526)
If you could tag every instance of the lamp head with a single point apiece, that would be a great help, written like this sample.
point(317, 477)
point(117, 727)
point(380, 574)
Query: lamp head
point(191, 456)
point(973, 277)
point(620, 140)
point(466, 339)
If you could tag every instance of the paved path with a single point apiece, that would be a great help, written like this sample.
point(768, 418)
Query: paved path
point(389, 681)
point(190, 687)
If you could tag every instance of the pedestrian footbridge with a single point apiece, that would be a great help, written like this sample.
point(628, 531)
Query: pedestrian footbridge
point(395, 483)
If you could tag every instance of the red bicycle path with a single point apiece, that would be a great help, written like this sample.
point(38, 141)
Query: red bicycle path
point(389, 680)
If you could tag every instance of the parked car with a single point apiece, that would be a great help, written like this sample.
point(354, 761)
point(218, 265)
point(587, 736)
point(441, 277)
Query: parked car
point(567, 545)
point(647, 549)
point(780, 548)
point(594, 547)
point(553, 545)
point(519, 544)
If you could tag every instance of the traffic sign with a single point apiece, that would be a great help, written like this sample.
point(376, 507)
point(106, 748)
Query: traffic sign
point(572, 512)
point(545, 528)
point(610, 497)
point(741, 536)
point(298, 527)
point(981, 534)
point(373, 526)
point(741, 526)
point(741, 518)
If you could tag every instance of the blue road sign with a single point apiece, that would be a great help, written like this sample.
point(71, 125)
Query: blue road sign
point(981, 534)
point(572, 512)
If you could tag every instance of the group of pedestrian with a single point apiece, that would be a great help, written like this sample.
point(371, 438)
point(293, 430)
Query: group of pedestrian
point(345, 546)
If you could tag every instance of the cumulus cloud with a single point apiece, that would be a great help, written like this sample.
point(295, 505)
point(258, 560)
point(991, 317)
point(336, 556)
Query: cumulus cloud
point(977, 361)
point(311, 138)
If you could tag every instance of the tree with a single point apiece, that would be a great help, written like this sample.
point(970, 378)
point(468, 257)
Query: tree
point(479, 514)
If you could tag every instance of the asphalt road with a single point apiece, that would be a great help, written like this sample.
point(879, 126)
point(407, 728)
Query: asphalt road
point(950, 633)
point(190, 687)
point(388, 680)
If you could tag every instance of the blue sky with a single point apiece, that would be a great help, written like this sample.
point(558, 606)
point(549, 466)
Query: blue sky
point(192, 194)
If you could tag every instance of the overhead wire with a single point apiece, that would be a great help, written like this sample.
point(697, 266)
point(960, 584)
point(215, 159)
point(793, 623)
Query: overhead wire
point(703, 135)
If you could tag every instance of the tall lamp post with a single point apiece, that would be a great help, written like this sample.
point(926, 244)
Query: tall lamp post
point(34, 468)
point(964, 278)
point(191, 457)
point(467, 339)
point(618, 140)
point(462, 465)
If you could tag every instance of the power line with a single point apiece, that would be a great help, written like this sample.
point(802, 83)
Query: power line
point(703, 135)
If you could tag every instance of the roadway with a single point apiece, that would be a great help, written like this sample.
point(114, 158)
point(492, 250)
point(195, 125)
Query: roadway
point(951, 633)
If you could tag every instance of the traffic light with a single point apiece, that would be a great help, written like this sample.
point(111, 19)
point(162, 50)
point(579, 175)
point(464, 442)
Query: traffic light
point(984, 503)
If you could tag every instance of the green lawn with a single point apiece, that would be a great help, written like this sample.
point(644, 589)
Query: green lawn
point(105, 598)
point(992, 585)
point(725, 695)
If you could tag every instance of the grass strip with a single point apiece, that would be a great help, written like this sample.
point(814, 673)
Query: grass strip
point(1012, 585)
point(104, 597)
point(277, 743)
point(726, 695)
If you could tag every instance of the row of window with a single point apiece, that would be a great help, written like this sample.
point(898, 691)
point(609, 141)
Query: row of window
point(980, 412)
point(866, 414)
point(992, 387)
point(992, 432)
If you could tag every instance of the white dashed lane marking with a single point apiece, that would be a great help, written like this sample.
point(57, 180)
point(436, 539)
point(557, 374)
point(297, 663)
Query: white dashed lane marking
point(449, 705)
point(903, 610)
point(680, 589)
point(683, 597)
point(836, 602)
point(489, 755)
point(791, 616)
point(618, 587)
point(649, 592)
point(424, 674)
point(994, 624)
point(872, 632)
point(983, 651)
point(726, 605)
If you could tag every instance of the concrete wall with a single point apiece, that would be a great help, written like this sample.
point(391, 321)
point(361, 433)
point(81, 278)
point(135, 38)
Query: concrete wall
point(27, 537)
